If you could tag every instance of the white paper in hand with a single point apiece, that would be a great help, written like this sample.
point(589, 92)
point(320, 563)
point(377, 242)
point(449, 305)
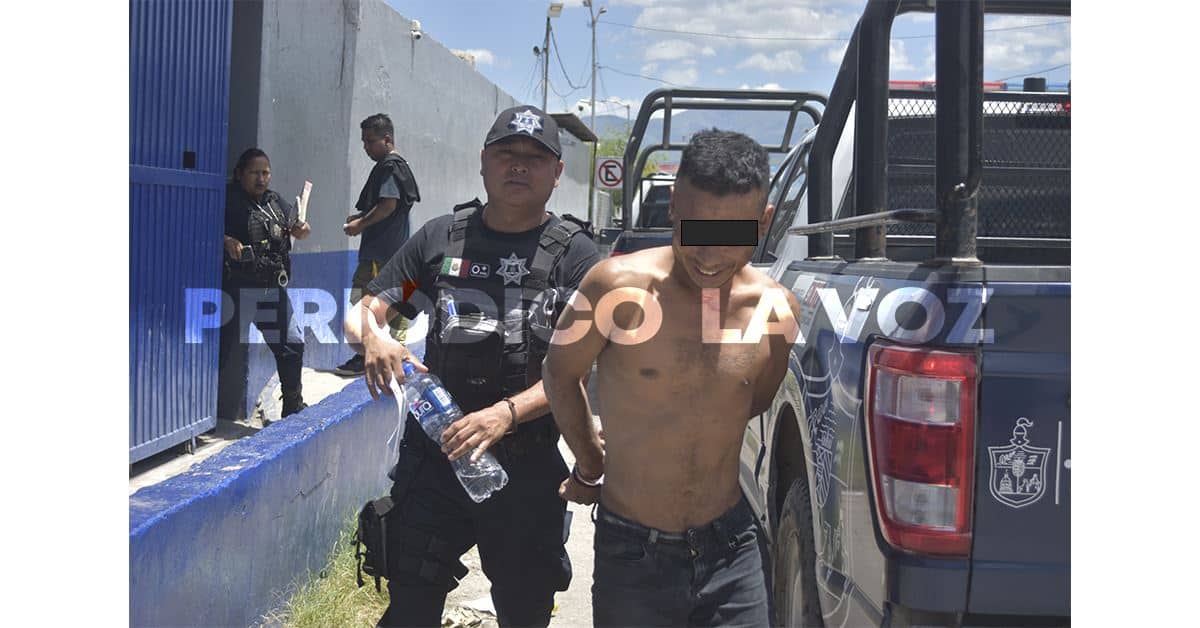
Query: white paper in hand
point(302, 201)
point(393, 441)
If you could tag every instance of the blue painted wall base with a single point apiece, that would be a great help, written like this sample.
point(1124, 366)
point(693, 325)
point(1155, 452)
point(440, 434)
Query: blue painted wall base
point(228, 541)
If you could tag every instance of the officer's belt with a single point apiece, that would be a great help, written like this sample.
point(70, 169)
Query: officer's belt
point(533, 436)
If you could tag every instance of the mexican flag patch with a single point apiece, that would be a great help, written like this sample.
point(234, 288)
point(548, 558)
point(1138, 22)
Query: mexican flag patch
point(455, 267)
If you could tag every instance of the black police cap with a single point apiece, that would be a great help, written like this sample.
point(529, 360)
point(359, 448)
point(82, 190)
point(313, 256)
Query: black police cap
point(528, 121)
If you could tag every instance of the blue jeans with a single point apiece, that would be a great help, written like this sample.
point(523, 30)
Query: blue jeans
point(706, 576)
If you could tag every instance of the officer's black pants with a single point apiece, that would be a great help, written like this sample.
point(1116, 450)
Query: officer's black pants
point(270, 311)
point(520, 532)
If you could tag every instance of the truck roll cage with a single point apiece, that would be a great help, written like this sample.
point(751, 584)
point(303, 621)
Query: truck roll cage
point(670, 100)
point(862, 78)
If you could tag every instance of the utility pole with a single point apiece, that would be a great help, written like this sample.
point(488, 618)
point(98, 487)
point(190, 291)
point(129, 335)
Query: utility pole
point(555, 10)
point(592, 178)
point(546, 62)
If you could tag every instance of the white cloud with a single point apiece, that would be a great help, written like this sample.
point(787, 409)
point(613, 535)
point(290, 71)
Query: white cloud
point(763, 19)
point(784, 61)
point(613, 106)
point(836, 54)
point(765, 86)
point(1060, 57)
point(898, 57)
point(685, 76)
point(482, 56)
point(675, 49)
point(1007, 52)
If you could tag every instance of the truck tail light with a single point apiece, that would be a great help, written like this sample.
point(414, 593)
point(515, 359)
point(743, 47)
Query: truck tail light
point(920, 417)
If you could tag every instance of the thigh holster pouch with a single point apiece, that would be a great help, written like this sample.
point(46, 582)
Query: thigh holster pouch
point(370, 540)
point(384, 547)
point(416, 552)
point(428, 557)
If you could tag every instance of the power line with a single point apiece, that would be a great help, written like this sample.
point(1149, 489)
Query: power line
point(994, 30)
point(724, 35)
point(603, 87)
point(769, 38)
point(650, 78)
point(1033, 72)
point(560, 94)
point(528, 91)
point(563, 67)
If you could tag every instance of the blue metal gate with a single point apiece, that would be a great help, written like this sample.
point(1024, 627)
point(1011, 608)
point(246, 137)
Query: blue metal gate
point(178, 129)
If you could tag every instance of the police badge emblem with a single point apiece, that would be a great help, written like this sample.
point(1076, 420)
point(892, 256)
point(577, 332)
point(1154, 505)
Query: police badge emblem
point(1018, 475)
point(526, 122)
point(512, 269)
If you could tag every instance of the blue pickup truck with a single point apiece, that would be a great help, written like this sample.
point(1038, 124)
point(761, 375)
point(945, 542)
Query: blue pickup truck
point(914, 467)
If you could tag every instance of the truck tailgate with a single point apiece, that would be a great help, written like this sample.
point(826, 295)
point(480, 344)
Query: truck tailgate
point(1021, 554)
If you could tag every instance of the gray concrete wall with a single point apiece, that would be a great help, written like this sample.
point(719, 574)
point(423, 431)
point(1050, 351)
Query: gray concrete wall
point(572, 192)
point(326, 66)
point(306, 88)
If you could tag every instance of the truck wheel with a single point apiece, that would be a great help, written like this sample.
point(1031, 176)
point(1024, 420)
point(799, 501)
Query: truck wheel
point(795, 579)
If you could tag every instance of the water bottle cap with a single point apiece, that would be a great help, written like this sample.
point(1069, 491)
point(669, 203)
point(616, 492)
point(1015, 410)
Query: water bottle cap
point(409, 369)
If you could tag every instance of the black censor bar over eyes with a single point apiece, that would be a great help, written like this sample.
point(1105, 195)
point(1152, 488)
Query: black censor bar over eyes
point(718, 233)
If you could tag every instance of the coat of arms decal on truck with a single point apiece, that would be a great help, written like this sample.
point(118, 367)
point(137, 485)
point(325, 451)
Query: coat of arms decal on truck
point(1018, 470)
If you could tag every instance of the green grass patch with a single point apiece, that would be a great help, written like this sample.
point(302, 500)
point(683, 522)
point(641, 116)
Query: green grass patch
point(333, 597)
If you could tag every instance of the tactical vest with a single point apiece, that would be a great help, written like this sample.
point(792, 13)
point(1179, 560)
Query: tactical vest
point(270, 240)
point(479, 358)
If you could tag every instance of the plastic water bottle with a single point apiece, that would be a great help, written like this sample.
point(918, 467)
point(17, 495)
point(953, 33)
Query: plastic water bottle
point(434, 409)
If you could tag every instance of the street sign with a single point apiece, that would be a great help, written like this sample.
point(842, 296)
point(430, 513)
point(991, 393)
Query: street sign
point(609, 172)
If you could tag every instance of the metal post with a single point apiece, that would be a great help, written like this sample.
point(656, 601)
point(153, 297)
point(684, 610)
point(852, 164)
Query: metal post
point(959, 150)
point(546, 63)
point(595, 144)
point(820, 156)
point(870, 126)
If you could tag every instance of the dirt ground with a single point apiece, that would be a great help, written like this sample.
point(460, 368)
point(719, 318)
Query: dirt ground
point(573, 606)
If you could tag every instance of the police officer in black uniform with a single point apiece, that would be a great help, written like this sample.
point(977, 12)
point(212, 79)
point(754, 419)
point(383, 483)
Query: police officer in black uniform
point(508, 266)
point(259, 226)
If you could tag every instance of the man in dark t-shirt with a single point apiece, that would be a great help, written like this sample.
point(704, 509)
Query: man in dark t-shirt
point(507, 267)
point(382, 216)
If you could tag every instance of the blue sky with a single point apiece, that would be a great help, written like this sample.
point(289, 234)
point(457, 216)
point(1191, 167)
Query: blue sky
point(782, 44)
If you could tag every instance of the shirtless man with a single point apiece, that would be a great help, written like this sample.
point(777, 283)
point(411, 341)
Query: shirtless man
point(676, 542)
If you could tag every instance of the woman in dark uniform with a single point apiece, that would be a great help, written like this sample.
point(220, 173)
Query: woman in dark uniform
point(259, 226)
